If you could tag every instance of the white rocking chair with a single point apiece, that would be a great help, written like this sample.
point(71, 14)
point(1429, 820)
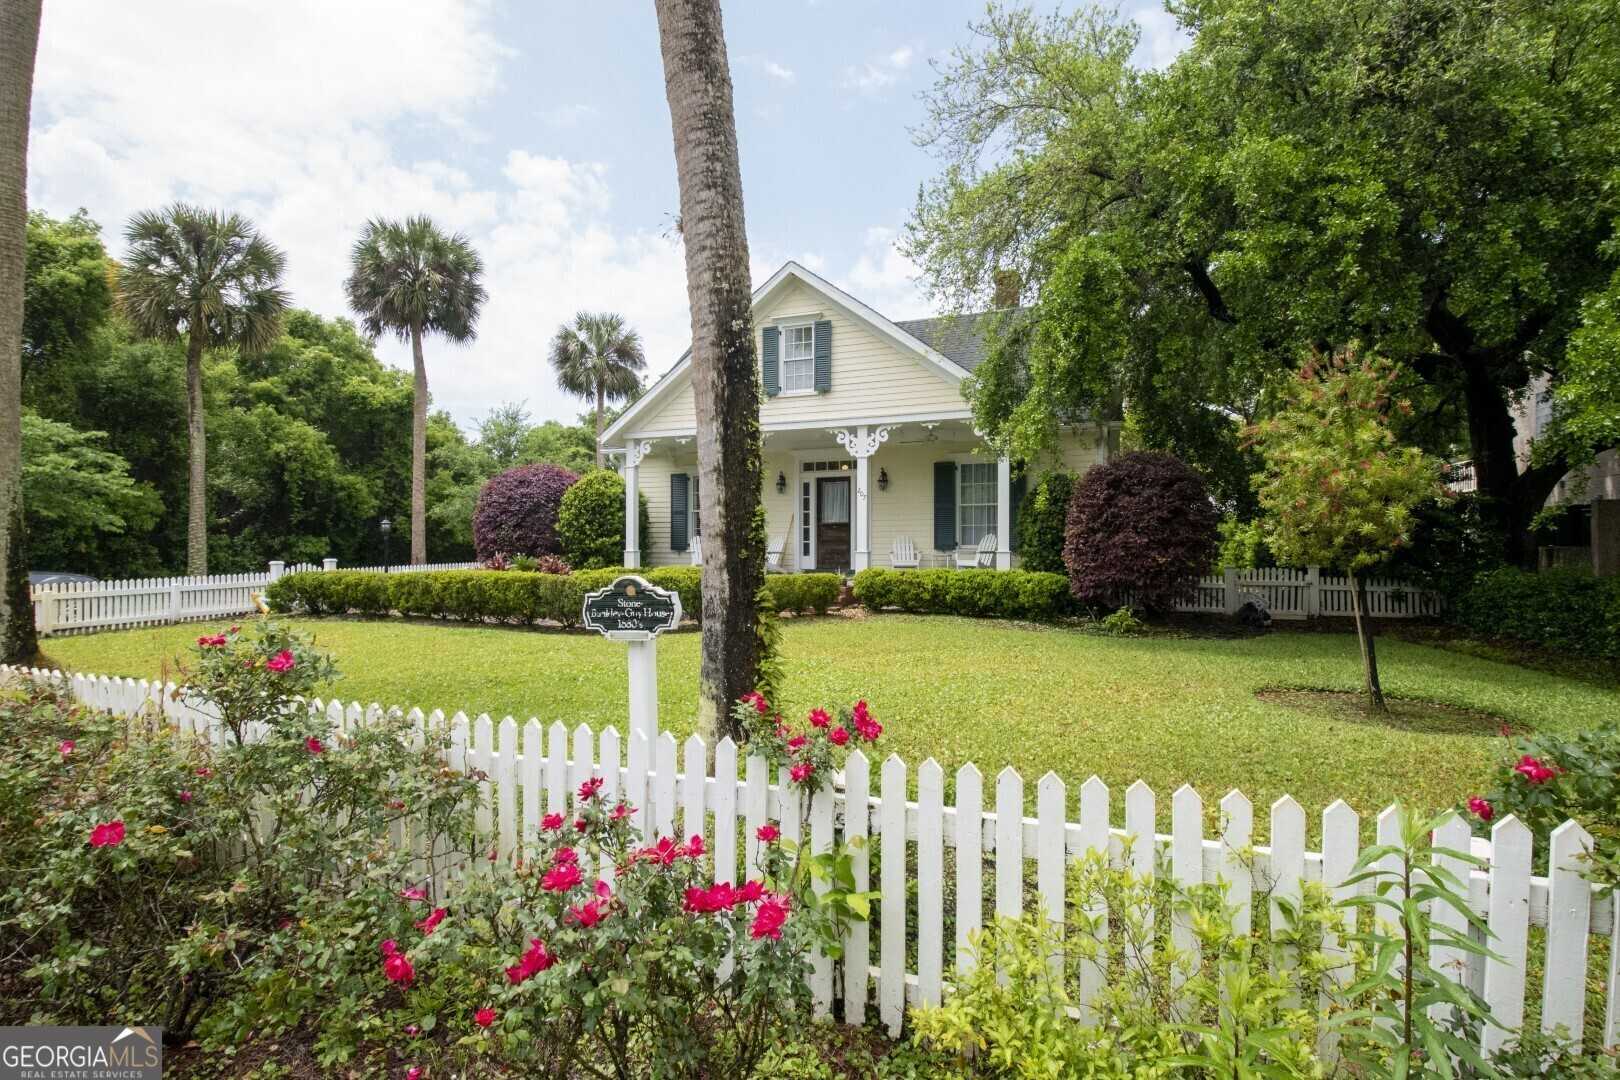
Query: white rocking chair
point(982, 557)
point(776, 549)
point(903, 554)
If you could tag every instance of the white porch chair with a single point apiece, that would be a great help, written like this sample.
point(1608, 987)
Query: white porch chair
point(776, 548)
point(903, 554)
point(982, 557)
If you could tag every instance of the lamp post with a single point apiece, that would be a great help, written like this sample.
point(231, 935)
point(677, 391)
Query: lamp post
point(387, 528)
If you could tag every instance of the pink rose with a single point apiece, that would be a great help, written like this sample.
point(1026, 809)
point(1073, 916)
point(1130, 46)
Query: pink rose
point(397, 968)
point(65, 747)
point(109, 834)
point(589, 789)
point(838, 736)
point(768, 833)
point(801, 772)
point(1481, 808)
point(561, 878)
point(314, 745)
point(551, 822)
point(770, 917)
point(484, 1017)
point(819, 718)
point(432, 921)
point(281, 662)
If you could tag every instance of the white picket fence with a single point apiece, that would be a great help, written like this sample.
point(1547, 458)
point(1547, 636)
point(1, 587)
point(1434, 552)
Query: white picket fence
point(80, 606)
point(534, 770)
point(1305, 594)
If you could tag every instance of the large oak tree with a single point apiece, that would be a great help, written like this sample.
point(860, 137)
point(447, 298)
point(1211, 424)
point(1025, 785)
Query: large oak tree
point(725, 372)
point(1432, 179)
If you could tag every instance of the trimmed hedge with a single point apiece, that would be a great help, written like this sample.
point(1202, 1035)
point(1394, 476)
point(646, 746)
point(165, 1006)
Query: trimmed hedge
point(1008, 594)
point(512, 596)
point(1555, 609)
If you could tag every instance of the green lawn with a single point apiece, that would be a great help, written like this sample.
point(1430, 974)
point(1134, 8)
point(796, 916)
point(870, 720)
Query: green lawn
point(1168, 710)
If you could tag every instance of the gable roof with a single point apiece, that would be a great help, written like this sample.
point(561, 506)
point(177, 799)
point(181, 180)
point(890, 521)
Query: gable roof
point(932, 355)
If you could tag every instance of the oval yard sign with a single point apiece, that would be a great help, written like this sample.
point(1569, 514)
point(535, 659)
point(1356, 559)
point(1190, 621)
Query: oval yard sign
point(631, 609)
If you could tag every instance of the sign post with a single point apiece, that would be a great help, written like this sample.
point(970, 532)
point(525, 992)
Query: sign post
point(635, 611)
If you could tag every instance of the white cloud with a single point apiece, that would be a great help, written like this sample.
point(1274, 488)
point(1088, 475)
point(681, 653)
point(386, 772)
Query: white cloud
point(876, 75)
point(885, 279)
point(297, 132)
point(777, 71)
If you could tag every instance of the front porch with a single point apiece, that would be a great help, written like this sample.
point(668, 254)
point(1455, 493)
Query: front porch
point(839, 498)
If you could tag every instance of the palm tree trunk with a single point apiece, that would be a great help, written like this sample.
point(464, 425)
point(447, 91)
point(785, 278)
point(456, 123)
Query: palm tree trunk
point(419, 404)
point(19, 40)
point(1369, 652)
point(725, 375)
point(601, 406)
point(197, 495)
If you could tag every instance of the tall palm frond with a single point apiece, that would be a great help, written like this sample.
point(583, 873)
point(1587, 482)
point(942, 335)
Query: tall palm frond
point(409, 273)
point(600, 357)
point(191, 269)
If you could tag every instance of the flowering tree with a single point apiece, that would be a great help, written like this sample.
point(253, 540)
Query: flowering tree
point(1336, 489)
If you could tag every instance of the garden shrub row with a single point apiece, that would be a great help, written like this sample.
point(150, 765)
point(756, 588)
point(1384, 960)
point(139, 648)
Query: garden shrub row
point(1013, 594)
point(1555, 609)
point(512, 596)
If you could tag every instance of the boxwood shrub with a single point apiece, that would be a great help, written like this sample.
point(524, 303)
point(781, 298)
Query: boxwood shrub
point(1010, 594)
point(512, 596)
point(1554, 609)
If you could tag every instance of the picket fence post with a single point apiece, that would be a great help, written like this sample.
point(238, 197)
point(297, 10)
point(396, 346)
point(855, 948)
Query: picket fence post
point(328, 564)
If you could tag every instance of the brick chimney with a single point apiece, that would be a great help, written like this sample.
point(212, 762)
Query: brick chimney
point(1009, 288)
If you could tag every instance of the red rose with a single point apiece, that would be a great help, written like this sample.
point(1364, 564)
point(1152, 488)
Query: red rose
point(397, 968)
point(561, 878)
point(588, 790)
point(750, 891)
point(413, 894)
point(770, 917)
point(838, 736)
point(65, 747)
point(565, 855)
point(694, 847)
point(1481, 808)
point(484, 1017)
point(314, 745)
point(797, 742)
point(429, 924)
point(281, 662)
point(768, 833)
point(801, 772)
point(110, 834)
point(587, 914)
point(621, 811)
point(551, 822)
point(819, 718)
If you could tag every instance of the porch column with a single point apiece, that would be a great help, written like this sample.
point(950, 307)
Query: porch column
point(861, 446)
point(1003, 513)
point(633, 453)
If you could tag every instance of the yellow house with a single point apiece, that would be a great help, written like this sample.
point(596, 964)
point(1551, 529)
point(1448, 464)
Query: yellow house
point(871, 458)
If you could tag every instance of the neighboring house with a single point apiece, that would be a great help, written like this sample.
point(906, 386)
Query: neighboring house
point(867, 439)
point(1571, 540)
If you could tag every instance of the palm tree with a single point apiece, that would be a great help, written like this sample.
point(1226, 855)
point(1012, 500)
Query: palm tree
point(19, 40)
point(725, 375)
point(598, 356)
point(211, 278)
point(409, 278)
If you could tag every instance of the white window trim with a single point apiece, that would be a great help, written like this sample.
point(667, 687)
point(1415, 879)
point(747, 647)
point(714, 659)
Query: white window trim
point(973, 459)
point(691, 508)
point(782, 358)
point(809, 562)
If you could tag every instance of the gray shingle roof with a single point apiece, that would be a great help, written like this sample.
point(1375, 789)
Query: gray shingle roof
point(962, 338)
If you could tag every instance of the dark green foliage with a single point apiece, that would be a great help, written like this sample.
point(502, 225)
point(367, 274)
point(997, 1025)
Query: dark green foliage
point(1453, 541)
point(1042, 519)
point(590, 522)
point(513, 596)
point(1141, 531)
point(1006, 594)
point(1561, 610)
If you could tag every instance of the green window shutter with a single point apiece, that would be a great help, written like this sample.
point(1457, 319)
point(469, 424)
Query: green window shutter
point(945, 505)
point(770, 347)
point(1020, 488)
point(823, 346)
point(679, 486)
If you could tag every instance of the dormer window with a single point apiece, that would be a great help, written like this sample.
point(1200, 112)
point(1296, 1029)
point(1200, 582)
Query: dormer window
point(798, 358)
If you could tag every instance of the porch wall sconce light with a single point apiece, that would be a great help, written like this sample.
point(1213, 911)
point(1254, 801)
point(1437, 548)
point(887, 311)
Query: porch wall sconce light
point(781, 483)
point(883, 479)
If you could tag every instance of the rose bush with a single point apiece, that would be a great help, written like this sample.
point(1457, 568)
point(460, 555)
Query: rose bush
point(599, 954)
point(1549, 779)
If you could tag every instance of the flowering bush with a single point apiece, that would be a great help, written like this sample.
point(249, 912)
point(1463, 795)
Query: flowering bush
point(599, 954)
point(159, 877)
point(1549, 779)
point(806, 753)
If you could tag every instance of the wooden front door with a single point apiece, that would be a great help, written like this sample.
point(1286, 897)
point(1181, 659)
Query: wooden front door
point(832, 523)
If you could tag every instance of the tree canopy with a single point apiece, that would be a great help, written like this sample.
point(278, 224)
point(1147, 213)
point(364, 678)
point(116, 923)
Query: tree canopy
point(1432, 179)
point(308, 437)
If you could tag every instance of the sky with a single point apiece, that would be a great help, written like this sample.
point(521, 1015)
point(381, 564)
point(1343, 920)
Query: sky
point(539, 129)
